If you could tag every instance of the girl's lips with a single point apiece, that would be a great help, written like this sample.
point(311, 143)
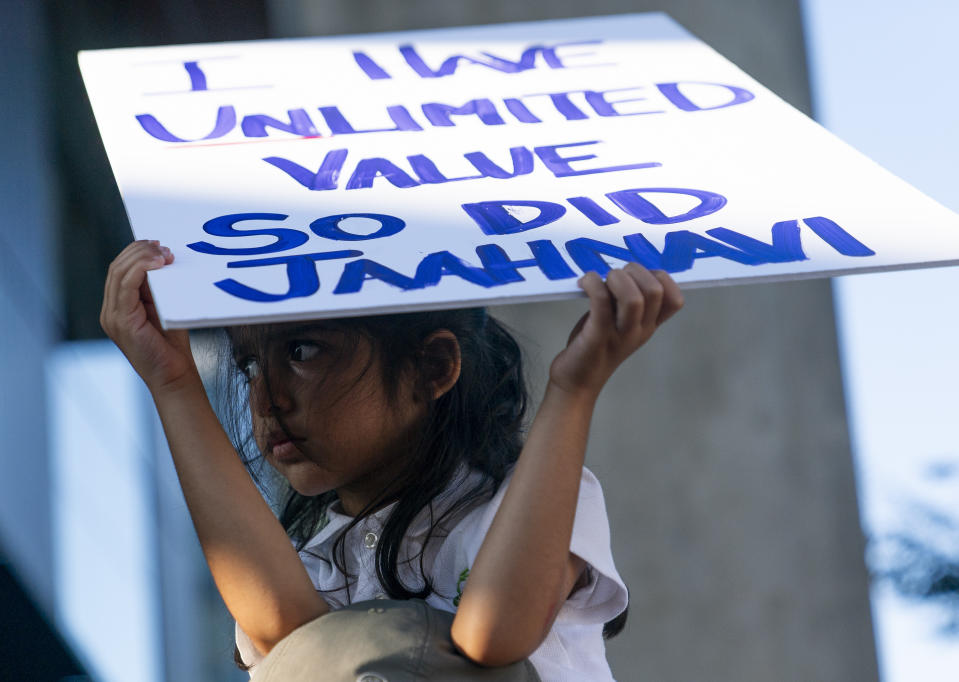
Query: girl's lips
point(285, 451)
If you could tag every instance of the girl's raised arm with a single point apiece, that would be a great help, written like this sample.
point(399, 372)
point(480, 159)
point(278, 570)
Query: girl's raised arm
point(524, 570)
point(254, 565)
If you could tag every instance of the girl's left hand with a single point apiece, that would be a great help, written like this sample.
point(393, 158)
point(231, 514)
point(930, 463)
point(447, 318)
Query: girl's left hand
point(624, 311)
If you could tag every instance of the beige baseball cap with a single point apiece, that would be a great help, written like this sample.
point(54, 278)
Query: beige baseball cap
point(379, 641)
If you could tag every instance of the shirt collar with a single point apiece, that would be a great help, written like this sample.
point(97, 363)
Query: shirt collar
point(337, 520)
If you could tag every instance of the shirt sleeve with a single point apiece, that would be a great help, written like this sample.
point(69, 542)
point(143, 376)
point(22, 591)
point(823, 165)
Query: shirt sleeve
point(604, 596)
point(249, 654)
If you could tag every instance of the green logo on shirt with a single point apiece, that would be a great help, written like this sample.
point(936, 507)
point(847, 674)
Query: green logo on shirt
point(459, 586)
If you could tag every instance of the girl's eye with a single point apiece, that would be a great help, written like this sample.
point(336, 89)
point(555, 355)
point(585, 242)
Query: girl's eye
point(302, 351)
point(250, 367)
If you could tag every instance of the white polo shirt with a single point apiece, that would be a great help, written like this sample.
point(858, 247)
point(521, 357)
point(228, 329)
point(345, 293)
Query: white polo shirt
point(573, 651)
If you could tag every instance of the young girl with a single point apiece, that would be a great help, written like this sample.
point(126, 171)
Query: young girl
point(400, 438)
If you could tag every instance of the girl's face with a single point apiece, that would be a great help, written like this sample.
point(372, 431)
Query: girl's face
point(321, 413)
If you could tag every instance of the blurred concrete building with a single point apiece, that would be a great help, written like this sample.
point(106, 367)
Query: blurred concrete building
point(723, 446)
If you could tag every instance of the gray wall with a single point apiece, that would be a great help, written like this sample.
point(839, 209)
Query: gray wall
point(723, 451)
point(762, 36)
point(723, 445)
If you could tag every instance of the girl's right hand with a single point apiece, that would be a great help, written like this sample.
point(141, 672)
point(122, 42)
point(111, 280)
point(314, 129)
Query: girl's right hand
point(161, 358)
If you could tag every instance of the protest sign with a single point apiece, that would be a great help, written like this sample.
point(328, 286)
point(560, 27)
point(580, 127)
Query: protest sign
point(327, 177)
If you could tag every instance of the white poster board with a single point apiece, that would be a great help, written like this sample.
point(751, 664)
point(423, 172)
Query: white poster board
point(352, 175)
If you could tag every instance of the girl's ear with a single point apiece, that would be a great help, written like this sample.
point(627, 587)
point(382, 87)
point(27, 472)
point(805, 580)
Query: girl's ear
point(442, 362)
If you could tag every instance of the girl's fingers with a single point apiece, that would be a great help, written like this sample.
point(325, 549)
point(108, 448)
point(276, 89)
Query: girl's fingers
point(577, 328)
point(145, 294)
point(126, 279)
point(652, 292)
point(672, 296)
point(115, 274)
point(133, 252)
point(600, 301)
point(128, 290)
point(629, 301)
point(146, 297)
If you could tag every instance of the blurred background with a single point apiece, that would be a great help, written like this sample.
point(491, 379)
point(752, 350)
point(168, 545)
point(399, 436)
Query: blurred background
point(781, 464)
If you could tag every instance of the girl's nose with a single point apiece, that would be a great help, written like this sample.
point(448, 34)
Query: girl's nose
point(269, 397)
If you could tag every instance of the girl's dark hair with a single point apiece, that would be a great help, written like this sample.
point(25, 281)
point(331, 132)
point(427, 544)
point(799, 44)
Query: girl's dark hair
point(479, 422)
